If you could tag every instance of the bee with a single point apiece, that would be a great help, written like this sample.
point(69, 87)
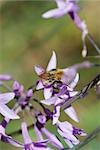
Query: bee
point(51, 76)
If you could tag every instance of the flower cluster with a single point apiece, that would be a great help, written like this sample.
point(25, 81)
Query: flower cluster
point(57, 86)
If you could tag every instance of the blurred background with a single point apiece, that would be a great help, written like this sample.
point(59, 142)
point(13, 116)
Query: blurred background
point(26, 39)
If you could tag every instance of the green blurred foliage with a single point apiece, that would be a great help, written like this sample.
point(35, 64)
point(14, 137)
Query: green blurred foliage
point(27, 39)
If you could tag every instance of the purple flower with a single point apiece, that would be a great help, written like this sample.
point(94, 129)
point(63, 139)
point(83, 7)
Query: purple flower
point(40, 129)
point(69, 7)
point(57, 100)
point(28, 144)
point(18, 89)
point(45, 81)
point(49, 76)
point(4, 110)
point(23, 97)
point(5, 77)
point(69, 133)
point(4, 137)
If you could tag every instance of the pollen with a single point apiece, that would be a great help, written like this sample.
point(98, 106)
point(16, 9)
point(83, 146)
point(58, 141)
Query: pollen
point(58, 74)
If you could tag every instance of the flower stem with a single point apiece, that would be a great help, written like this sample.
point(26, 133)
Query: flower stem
point(90, 38)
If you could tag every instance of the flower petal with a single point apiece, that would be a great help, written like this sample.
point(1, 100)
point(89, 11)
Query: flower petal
point(49, 101)
point(5, 77)
point(48, 92)
point(6, 97)
point(68, 75)
point(52, 63)
point(69, 136)
point(39, 85)
point(16, 85)
point(73, 93)
point(56, 114)
point(65, 126)
point(69, 143)
point(71, 113)
point(14, 142)
point(38, 133)
point(83, 134)
point(75, 81)
point(52, 138)
point(39, 70)
point(25, 134)
point(29, 93)
point(5, 111)
point(53, 13)
point(41, 144)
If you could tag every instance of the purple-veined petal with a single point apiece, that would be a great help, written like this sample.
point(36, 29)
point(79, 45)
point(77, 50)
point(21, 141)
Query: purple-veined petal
point(65, 129)
point(48, 92)
point(5, 111)
point(52, 63)
point(69, 136)
point(6, 97)
point(56, 114)
point(49, 101)
point(39, 85)
point(77, 131)
point(39, 70)
point(75, 81)
point(52, 138)
point(71, 113)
